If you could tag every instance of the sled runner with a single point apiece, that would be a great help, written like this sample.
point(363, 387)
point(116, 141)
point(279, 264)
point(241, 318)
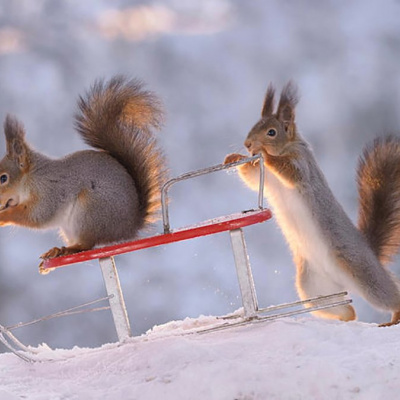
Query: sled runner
point(232, 223)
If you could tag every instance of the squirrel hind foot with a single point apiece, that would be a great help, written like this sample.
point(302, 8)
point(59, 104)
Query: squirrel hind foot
point(63, 251)
point(395, 320)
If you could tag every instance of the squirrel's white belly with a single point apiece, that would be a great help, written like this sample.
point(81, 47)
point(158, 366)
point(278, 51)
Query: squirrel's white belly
point(296, 222)
point(68, 220)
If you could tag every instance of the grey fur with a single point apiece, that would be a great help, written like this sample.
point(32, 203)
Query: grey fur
point(94, 197)
point(330, 253)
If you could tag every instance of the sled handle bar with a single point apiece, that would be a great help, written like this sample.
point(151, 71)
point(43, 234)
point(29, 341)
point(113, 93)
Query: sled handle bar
point(164, 190)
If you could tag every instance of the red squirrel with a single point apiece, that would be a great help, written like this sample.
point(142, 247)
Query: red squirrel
point(331, 254)
point(95, 197)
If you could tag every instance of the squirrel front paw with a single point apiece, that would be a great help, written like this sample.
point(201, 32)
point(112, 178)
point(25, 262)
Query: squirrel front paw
point(52, 253)
point(63, 251)
point(231, 158)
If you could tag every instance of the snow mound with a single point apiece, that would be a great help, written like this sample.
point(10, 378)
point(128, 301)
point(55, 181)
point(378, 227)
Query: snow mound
point(301, 358)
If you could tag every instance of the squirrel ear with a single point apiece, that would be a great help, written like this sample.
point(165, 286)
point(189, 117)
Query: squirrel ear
point(287, 104)
point(268, 107)
point(17, 148)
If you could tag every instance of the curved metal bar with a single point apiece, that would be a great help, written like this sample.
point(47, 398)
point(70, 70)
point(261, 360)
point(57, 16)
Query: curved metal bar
point(16, 342)
point(22, 351)
point(193, 174)
point(312, 304)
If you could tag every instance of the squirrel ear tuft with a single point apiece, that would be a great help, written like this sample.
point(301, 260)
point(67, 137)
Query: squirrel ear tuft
point(268, 107)
point(287, 104)
point(17, 148)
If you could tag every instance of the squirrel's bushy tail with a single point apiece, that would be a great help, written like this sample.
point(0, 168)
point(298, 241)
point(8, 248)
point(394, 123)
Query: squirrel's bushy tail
point(378, 178)
point(117, 117)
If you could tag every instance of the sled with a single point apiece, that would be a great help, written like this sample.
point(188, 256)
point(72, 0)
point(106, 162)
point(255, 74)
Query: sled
point(233, 224)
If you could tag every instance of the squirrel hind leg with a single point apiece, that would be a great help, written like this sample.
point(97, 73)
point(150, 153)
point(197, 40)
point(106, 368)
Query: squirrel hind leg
point(310, 283)
point(342, 313)
point(63, 251)
point(395, 320)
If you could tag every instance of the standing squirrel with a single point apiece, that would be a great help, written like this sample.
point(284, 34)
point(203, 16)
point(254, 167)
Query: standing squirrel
point(95, 197)
point(331, 254)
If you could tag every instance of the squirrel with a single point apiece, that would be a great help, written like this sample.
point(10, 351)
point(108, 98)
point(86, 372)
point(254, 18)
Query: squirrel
point(95, 197)
point(330, 253)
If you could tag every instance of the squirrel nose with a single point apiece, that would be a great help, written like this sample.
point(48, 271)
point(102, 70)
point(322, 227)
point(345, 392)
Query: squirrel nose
point(247, 143)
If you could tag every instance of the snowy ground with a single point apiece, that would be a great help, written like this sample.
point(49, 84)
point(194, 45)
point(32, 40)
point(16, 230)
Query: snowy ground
point(303, 358)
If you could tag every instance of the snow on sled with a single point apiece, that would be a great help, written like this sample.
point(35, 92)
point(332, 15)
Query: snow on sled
point(250, 313)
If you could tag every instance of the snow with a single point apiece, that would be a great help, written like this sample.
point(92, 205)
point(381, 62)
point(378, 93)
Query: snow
point(292, 358)
point(345, 62)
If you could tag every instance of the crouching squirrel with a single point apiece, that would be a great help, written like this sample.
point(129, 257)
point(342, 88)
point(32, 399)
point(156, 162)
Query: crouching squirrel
point(331, 254)
point(95, 197)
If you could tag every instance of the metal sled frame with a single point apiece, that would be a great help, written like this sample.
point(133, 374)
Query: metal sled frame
point(233, 223)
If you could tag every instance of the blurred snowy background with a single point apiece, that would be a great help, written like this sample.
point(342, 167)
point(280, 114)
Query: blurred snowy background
point(210, 61)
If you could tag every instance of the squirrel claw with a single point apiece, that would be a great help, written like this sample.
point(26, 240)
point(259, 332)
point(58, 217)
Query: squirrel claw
point(386, 324)
point(395, 320)
point(231, 158)
point(44, 271)
point(63, 251)
point(52, 253)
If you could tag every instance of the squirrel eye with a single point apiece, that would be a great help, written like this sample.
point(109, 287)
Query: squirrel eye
point(271, 132)
point(3, 179)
